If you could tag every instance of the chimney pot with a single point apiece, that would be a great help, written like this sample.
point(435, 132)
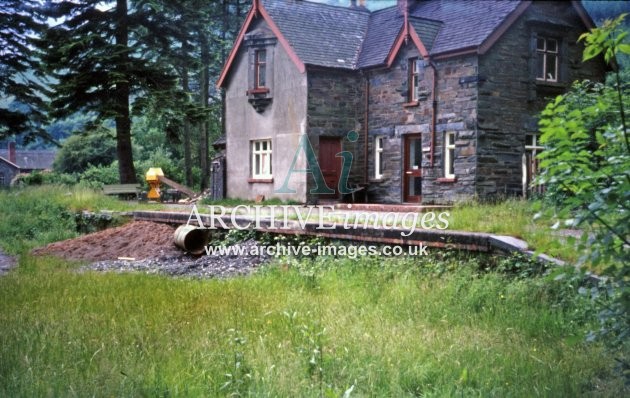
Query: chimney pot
point(12, 152)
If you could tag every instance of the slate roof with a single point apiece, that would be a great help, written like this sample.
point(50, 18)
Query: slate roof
point(383, 27)
point(355, 38)
point(466, 23)
point(427, 29)
point(32, 159)
point(320, 34)
point(352, 38)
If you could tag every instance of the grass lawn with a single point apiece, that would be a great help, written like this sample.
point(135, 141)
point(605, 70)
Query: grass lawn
point(388, 328)
point(514, 217)
point(444, 325)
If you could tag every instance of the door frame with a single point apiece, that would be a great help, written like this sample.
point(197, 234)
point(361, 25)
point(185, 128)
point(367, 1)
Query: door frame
point(338, 144)
point(407, 171)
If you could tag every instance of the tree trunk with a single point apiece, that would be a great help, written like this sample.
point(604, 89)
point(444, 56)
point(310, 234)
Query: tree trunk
point(187, 150)
point(204, 87)
point(126, 170)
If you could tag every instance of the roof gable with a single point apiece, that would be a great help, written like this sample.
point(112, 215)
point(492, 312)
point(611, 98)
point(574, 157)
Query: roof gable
point(255, 11)
point(354, 38)
point(11, 164)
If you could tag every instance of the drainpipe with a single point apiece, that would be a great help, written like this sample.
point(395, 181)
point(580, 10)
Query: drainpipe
point(433, 111)
point(366, 128)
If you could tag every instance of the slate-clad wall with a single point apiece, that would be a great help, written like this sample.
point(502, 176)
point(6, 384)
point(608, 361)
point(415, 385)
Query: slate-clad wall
point(510, 99)
point(456, 112)
point(8, 171)
point(335, 108)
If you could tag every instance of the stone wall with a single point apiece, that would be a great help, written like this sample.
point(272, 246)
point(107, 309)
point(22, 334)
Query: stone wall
point(335, 108)
point(393, 117)
point(510, 97)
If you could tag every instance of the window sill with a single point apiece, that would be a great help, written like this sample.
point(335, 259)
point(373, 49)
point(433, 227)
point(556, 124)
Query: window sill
point(379, 179)
point(259, 90)
point(260, 180)
point(550, 84)
point(411, 104)
point(446, 180)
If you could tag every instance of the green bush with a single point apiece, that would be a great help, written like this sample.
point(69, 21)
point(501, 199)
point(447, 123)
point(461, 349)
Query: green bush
point(29, 217)
point(97, 176)
point(79, 152)
point(586, 168)
point(45, 177)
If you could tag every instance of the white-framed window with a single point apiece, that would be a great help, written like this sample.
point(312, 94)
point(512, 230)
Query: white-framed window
point(378, 156)
point(449, 155)
point(414, 79)
point(530, 163)
point(547, 59)
point(260, 68)
point(261, 159)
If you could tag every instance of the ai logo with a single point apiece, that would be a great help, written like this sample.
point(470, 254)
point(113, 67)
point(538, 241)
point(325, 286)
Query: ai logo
point(313, 168)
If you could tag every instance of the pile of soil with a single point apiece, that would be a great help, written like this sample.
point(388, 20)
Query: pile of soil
point(138, 239)
point(152, 248)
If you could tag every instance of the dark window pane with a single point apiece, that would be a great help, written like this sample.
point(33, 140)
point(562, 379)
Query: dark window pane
point(552, 45)
point(540, 43)
point(529, 140)
point(540, 66)
point(551, 67)
point(262, 78)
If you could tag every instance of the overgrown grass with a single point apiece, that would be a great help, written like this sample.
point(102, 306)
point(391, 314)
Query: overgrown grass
point(515, 218)
point(34, 216)
point(439, 326)
point(389, 328)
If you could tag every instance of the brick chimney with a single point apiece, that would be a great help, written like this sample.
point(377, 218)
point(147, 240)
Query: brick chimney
point(357, 4)
point(12, 152)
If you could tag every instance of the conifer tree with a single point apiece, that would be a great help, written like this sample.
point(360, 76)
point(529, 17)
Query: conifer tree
point(22, 95)
point(104, 56)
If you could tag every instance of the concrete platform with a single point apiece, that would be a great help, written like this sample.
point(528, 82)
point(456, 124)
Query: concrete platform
point(460, 240)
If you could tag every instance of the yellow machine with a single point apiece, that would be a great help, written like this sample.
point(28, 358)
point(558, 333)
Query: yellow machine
point(153, 178)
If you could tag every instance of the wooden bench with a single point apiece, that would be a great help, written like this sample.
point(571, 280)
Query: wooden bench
point(126, 190)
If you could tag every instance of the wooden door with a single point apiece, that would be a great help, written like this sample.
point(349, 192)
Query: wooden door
point(412, 171)
point(330, 164)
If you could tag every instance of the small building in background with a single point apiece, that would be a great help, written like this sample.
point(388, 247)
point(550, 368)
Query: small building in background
point(17, 161)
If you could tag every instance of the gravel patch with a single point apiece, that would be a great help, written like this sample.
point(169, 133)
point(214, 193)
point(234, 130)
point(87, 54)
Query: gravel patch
point(206, 266)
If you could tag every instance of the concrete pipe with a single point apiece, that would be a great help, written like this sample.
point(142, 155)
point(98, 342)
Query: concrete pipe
point(191, 239)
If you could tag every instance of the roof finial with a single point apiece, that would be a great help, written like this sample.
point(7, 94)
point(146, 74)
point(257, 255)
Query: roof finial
point(403, 8)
